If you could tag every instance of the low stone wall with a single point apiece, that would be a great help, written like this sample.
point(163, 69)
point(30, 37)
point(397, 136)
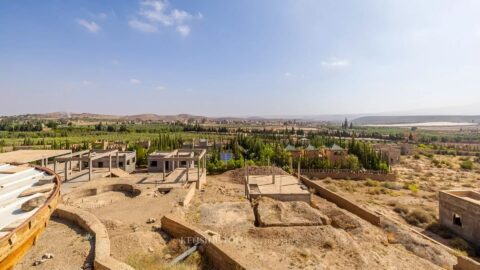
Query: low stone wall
point(86, 192)
point(216, 254)
point(342, 202)
point(92, 224)
point(188, 197)
point(349, 174)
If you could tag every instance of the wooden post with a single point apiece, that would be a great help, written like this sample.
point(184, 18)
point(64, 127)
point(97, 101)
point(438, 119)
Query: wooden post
point(55, 166)
point(118, 161)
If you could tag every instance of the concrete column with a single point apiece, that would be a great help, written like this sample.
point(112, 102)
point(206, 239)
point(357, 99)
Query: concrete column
point(198, 169)
point(90, 170)
point(66, 171)
point(164, 169)
point(110, 164)
point(298, 171)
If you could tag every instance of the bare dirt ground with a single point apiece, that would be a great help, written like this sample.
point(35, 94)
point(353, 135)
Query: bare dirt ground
point(413, 198)
point(71, 246)
point(349, 243)
point(133, 240)
point(344, 242)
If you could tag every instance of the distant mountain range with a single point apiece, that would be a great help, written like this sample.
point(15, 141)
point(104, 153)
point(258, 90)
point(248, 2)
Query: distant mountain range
point(335, 118)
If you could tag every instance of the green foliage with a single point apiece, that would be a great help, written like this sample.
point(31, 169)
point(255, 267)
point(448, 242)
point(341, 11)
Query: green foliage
point(467, 164)
point(413, 188)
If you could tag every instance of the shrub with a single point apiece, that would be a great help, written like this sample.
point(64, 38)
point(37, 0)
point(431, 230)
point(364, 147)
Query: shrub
point(419, 217)
point(371, 183)
point(467, 164)
point(391, 185)
point(401, 209)
point(416, 156)
point(413, 187)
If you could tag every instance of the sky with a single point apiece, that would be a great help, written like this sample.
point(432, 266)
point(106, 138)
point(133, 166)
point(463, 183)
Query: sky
point(240, 57)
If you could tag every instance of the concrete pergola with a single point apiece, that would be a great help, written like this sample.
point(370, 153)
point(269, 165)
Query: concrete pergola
point(31, 156)
point(85, 156)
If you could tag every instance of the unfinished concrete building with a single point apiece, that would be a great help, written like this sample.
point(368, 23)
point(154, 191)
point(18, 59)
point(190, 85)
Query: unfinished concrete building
point(100, 161)
point(179, 164)
point(167, 161)
point(126, 160)
point(460, 212)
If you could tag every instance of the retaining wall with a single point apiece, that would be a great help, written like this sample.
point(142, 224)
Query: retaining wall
point(342, 202)
point(349, 174)
point(464, 263)
point(90, 223)
point(216, 254)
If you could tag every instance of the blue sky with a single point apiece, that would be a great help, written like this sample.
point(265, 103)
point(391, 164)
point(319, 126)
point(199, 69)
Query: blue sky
point(240, 57)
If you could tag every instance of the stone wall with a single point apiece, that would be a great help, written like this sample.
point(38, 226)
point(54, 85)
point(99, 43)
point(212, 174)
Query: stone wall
point(217, 255)
point(342, 202)
point(349, 174)
point(90, 223)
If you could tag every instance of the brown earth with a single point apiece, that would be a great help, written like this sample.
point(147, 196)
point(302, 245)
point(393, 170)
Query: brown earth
point(71, 246)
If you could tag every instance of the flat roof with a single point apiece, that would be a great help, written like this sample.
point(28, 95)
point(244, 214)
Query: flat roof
point(467, 195)
point(27, 156)
point(284, 184)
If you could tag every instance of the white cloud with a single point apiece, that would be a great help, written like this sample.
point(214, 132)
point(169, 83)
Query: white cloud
point(86, 83)
point(161, 88)
point(155, 13)
point(335, 63)
point(142, 26)
point(289, 74)
point(90, 26)
point(183, 30)
point(135, 81)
